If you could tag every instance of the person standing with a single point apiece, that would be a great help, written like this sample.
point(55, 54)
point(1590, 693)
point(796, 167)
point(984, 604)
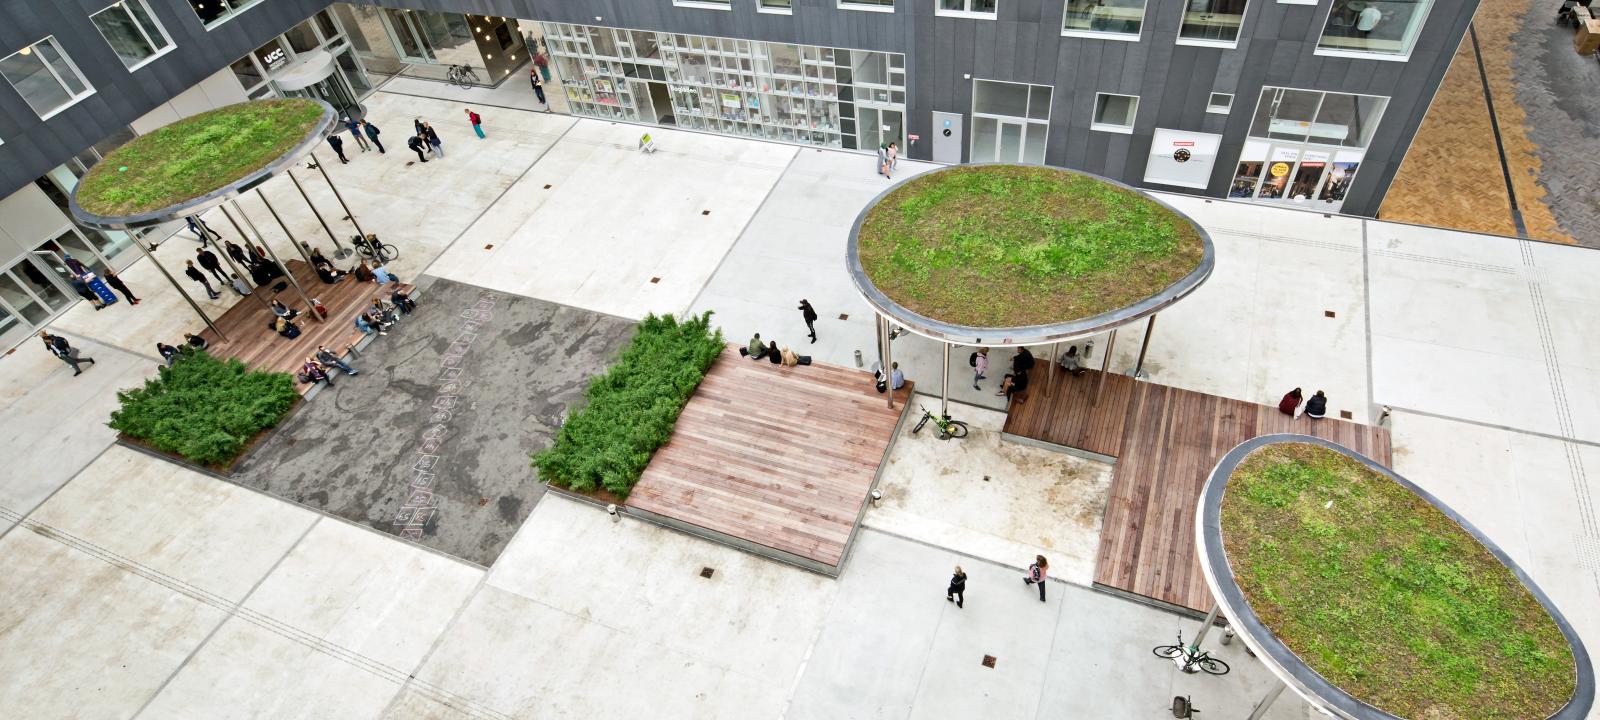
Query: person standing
point(883, 156)
point(477, 122)
point(59, 347)
point(211, 262)
point(338, 149)
point(538, 88)
point(167, 352)
point(354, 126)
point(891, 158)
point(82, 288)
point(957, 592)
point(372, 134)
point(236, 252)
point(199, 277)
point(415, 143)
point(980, 365)
point(200, 229)
point(809, 314)
point(432, 138)
point(116, 283)
point(543, 63)
point(1037, 573)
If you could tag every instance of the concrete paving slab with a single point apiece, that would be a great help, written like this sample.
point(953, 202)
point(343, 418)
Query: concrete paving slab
point(196, 529)
point(431, 441)
point(366, 593)
point(53, 424)
point(622, 218)
point(993, 498)
point(84, 638)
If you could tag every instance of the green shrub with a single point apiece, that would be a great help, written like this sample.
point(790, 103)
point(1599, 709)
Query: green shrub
point(204, 409)
point(631, 409)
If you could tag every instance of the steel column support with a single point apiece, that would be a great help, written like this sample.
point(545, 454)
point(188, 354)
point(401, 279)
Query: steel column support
point(1149, 329)
point(274, 255)
point(192, 304)
point(1105, 365)
point(339, 250)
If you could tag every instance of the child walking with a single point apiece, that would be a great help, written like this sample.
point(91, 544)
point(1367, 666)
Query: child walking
point(1037, 573)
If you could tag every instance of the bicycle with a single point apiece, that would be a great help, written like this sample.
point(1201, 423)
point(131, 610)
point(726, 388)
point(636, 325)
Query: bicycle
point(374, 249)
point(1187, 658)
point(947, 428)
point(462, 76)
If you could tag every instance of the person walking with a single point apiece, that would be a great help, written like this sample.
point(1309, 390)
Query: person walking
point(538, 87)
point(372, 134)
point(338, 149)
point(199, 277)
point(957, 592)
point(210, 261)
point(1037, 572)
point(980, 365)
point(328, 359)
point(354, 126)
point(477, 122)
point(809, 314)
point(59, 347)
point(415, 143)
point(117, 284)
point(432, 138)
point(883, 156)
point(892, 158)
point(200, 229)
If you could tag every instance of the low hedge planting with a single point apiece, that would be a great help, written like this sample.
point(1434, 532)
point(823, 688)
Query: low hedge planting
point(631, 409)
point(204, 409)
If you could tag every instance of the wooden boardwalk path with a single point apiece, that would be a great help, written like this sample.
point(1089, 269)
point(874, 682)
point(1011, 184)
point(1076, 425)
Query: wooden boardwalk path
point(252, 340)
point(775, 457)
point(1166, 441)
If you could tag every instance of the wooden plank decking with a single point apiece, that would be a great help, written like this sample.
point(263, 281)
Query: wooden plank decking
point(1166, 441)
point(779, 457)
point(253, 342)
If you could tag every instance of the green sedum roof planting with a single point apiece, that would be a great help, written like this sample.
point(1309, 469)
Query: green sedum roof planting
point(195, 156)
point(1385, 596)
point(995, 246)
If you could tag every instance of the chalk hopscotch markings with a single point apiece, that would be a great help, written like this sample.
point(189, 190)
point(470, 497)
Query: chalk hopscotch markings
point(421, 504)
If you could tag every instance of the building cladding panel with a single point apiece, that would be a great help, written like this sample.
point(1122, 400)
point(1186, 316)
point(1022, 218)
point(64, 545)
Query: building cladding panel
point(1022, 44)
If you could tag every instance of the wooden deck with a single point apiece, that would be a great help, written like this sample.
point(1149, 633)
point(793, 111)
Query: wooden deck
point(252, 340)
point(774, 460)
point(1165, 441)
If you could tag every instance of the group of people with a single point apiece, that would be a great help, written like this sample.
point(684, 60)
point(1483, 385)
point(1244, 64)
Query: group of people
point(1013, 382)
point(759, 349)
point(1294, 403)
point(1036, 575)
point(253, 258)
point(384, 313)
point(888, 157)
point(191, 344)
point(424, 137)
point(316, 367)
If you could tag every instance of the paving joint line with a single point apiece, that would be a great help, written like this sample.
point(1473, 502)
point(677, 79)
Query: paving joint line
point(1494, 125)
point(737, 239)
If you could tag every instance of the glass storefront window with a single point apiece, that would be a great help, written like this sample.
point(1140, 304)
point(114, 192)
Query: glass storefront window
point(302, 39)
point(1305, 146)
point(247, 72)
point(326, 26)
point(1216, 21)
point(1112, 17)
point(1384, 27)
point(132, 31)
point(1285, 114)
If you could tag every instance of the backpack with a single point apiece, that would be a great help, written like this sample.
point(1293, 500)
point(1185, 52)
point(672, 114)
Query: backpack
point(972, 360)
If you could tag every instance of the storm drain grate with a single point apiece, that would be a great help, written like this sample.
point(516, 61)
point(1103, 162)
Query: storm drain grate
point(547, 186)
point(655, 280)
point(843, 316)
point(706, 572)
point(1327, 313)
point(1346, 415)
point(490, 246)
point(989, 661)
point(705, 212)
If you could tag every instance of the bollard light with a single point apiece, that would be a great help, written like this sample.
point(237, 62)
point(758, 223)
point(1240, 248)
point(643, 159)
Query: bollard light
point(612, 511)
point(876, 496)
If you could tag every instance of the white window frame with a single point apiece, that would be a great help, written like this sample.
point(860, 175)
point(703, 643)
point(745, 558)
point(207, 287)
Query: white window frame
point(232, 13)
point(859, 6)
point(1405, 56)
point(169, 47)
point(1099, 35)
point(1212, 107)
point(88, 88)
point(940, 10)
point(1297, 2)
point(1024, 119)
point(762, 7)
point(1107, 127)
point(704, 4)
point(1244, 16)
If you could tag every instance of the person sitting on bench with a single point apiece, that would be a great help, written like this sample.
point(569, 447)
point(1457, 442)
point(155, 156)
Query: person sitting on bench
point(313, 373)
point(402, 301)
point(756, 349)
point(284, 311)
point(1071, 363)
point(774, 354)
point(1317, 406)
point(195, 341)
point(287, 328)
point(1012, 384)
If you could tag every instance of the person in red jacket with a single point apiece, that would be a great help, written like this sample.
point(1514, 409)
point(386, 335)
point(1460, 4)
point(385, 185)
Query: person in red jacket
point(1290, 402)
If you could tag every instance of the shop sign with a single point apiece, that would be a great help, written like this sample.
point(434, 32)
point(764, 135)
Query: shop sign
point(274, 59)
point(1279, 169)
point(731, 101)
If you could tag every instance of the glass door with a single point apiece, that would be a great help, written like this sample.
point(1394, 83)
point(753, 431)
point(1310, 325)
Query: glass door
point(31, 308)
point(1278, 170)
point(68, 243)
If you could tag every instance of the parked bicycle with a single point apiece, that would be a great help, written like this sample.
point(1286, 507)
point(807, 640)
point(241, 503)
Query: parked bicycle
point(374, 249)
point(462, 76)
point(1189, 657)
point(947, 428)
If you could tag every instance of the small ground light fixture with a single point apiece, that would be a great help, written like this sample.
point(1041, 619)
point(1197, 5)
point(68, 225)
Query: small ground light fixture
point(612, 511)
point(876, 496)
